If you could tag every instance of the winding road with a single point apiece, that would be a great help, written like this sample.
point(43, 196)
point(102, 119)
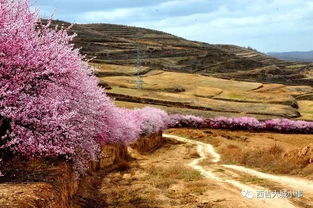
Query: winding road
point(206, 151)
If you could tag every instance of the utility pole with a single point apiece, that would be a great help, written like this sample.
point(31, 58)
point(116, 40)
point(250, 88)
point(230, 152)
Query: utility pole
point(138, 72)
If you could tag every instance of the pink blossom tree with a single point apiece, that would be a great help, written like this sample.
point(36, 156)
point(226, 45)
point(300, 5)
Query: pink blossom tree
point(50, 104)
point(178, 120)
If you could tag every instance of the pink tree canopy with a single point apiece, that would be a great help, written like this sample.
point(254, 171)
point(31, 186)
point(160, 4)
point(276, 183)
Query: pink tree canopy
point(50, 102)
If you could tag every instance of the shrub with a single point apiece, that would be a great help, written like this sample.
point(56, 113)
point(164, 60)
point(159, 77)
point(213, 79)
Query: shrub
point(178, 120)
point(150, 120)
point(244, 123)
point(249, 123)
point(289, 126)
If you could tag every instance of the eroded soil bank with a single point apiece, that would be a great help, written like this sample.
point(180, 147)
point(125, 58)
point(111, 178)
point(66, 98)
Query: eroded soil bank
point(53, 184)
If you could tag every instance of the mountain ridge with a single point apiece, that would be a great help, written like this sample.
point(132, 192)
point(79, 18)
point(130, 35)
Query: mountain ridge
point(302, 56)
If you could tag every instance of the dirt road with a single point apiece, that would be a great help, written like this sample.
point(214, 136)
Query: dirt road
point(230, 175)
point(188, 173)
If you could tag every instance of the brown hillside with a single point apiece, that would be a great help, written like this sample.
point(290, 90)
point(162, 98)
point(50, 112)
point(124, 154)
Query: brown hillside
point(188, 77)
point(117, 44)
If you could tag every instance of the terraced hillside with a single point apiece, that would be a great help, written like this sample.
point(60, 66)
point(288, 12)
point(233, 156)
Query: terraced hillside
point(182, 76)
point(117, 44)
point(186, 93)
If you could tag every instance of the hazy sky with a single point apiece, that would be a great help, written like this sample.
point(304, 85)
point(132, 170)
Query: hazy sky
point(267, 25)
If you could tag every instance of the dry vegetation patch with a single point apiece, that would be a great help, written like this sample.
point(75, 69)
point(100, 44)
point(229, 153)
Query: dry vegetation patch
point(265, 151)
point(175, 171)
point(214, 95)
point(306, 109)
point(257, 97)
point(267, 159)
point(163, 179)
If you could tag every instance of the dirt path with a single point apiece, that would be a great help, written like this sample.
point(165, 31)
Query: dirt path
point(205, 150)
point(163, 179)
point(186, 173)
point(295, 183)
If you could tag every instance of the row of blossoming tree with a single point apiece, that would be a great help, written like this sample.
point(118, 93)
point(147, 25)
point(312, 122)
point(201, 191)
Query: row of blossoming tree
point(51, 104)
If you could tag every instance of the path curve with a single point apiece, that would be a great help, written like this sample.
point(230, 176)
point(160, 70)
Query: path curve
point(204, 149)
point(296, 183)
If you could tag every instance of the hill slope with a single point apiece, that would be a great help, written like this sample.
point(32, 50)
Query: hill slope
point(188, 77)
point(117, 44)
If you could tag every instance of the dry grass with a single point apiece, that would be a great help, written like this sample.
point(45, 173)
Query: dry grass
point(113, 69)
point(250, 179)
point(152, 94)
point(306, 109)
point(177, 171)
point(193, 153)
point(254, 180)
point(205, 92)
point(256, 150)
point(202, 92)
point(206, 162)
point(308, 171)
point(204, 85)
point(236, 96)
point(268, 159)
point(295, 66)
point(197, 187)
point(257, 97)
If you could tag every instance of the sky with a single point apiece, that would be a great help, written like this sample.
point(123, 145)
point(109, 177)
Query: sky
point(266, 25)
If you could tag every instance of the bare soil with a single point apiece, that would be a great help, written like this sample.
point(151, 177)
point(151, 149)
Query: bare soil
point(164, 179)
point(182, 173)
point(265, 151)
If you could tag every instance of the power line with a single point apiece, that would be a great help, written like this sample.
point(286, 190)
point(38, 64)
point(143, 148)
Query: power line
point(139, 67)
